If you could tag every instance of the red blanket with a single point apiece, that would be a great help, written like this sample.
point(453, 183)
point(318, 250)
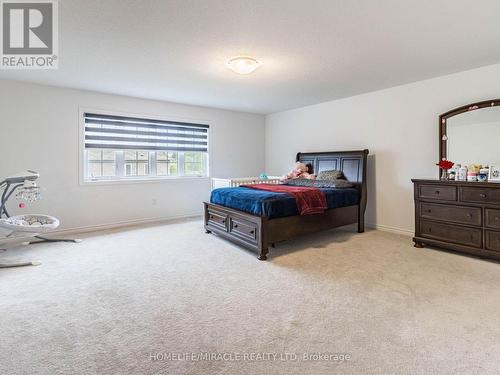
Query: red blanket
point(309, 200)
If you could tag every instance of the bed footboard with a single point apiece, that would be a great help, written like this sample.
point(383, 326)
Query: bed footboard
point(257, 233)
point(240, 227)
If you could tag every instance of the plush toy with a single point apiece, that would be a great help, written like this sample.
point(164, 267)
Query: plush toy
point(475, 168)
point(300, 170)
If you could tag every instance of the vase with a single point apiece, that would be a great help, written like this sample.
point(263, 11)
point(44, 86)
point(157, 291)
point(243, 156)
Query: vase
point(444, 174)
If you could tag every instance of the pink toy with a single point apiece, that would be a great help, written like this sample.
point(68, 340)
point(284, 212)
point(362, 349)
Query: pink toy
point(300, 170)
point(22, 205)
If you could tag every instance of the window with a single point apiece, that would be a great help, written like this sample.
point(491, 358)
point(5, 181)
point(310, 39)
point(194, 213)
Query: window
point(136, 163)
point(119, 147)
point(167, 163)
point(101, 163)
point(193, 163)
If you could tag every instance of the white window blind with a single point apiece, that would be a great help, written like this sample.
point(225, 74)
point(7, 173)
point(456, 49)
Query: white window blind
point(131, 133)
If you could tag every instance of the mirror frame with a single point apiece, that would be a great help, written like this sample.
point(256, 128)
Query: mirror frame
point(445, 116)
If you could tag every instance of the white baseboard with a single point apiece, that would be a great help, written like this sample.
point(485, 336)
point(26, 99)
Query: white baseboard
point(123, 224)
point(164, 220)
point(386, 228)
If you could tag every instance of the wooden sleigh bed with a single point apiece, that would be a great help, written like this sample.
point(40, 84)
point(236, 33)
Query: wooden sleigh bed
point(258, 233)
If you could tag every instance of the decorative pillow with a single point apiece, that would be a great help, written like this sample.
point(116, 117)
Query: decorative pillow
point(331, 175)
point(338, 183)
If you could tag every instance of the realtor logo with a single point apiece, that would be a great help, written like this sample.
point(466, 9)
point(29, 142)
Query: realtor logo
point(29, 34)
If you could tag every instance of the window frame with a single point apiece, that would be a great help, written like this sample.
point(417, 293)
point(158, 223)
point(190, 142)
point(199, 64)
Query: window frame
point(120, 177)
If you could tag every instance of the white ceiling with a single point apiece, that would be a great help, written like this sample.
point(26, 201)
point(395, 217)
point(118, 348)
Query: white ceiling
point(312, 50)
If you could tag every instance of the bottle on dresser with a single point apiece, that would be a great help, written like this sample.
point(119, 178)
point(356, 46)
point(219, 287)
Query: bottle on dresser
point(462, 173)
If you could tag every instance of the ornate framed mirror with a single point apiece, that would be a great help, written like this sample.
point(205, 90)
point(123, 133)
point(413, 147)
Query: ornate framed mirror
point(471, 134)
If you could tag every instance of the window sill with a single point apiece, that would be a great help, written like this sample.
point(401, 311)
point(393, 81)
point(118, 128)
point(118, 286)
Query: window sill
point(157, 180)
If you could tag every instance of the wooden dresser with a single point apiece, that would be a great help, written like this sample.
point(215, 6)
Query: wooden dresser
point(458, 215)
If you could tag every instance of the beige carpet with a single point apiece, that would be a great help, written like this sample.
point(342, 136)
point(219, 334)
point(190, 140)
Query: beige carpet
point(109, 304)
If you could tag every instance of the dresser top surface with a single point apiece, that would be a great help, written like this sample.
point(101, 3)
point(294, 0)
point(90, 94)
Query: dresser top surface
point(457, 183)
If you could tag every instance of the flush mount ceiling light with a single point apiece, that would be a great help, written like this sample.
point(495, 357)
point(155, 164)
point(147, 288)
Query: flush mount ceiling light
point(243, 64)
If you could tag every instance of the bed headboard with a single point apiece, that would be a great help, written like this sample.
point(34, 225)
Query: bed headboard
point(352, 163)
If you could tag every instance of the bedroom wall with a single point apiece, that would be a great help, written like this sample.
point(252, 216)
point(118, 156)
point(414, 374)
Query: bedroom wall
point(398, 125)
point(40, 130)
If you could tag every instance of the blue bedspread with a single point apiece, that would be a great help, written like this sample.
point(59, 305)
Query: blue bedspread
point(273, 205)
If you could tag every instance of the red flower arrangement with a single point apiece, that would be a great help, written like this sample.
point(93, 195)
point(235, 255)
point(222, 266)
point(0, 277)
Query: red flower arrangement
point(445, 164)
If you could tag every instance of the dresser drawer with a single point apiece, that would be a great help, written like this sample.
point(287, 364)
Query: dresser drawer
point(455, 214)
point(243, 229)
point(451, 233)
point(217, 219)
point(493, 240)
point(439, 192)
point(480, 195)
point(491, 218)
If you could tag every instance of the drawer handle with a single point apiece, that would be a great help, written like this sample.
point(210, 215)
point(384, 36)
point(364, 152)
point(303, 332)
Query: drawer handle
point(429, 210)
point(469, 215)
point(482, 195)
point(252, 232)
point(211, 216)
point(437, 192)
point(235, 226)
point(497, 218)
point(223, 221)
